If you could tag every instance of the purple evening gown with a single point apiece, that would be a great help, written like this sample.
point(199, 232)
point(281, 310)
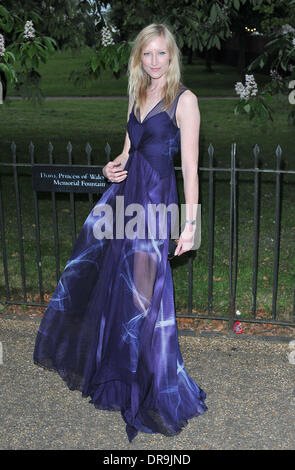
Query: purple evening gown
point(110, 329)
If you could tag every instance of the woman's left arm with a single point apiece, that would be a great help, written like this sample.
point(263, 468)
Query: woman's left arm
point(188, 118)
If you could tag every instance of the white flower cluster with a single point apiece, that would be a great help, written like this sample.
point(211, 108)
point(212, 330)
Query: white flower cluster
point(287, 28)
point(106, 36)
point(275, 76)
point(225, 9)
point(29, 31)
point(2, 45)
point(250, 88)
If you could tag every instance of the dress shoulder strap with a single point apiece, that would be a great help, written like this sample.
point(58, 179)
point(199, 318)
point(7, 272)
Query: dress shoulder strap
point(172, 109)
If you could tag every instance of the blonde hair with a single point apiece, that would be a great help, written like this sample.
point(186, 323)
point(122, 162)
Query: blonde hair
point(139, 80)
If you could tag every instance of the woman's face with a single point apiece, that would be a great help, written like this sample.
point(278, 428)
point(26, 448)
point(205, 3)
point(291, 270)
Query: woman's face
point(155, 57)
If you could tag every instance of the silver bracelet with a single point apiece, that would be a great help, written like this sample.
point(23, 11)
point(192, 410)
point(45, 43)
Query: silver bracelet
point(193, 222)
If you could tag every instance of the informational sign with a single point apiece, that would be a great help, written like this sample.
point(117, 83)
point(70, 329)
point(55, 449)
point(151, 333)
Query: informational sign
point(77, 179)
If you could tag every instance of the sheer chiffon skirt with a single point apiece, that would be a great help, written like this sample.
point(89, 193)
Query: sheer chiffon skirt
point(110, 329)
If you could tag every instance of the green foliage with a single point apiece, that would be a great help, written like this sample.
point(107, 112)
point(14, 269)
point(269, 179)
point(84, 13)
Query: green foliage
point(291, 117)
point(6, 20)
point(279, 52)
point(29, 52)
point(7, 65)
point(32, 51)
point(276, 14)
point(113, 57)
point(257, 107)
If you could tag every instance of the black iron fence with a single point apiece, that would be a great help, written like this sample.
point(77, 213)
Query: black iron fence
point(96, 184)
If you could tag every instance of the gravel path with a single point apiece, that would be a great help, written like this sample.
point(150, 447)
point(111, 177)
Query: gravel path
point(250, 388)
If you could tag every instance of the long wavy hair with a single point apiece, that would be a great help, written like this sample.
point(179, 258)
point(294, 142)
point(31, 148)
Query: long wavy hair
point(139, 80)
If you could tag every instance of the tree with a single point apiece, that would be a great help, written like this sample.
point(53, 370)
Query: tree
point(20, 41)
point(279, 54)
point(70, 22)
point(203, 25)
point(198, 25)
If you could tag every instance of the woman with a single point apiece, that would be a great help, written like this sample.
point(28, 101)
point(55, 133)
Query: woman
point(110, 329)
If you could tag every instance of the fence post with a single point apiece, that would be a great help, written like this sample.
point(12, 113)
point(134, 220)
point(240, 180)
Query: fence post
point(233, 238)
point(256, 229)
point(19, 221)
point(211, 229)
point(277, 232)
point(37, 229)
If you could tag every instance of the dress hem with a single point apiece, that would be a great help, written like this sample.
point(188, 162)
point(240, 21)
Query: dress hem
point(131, 429)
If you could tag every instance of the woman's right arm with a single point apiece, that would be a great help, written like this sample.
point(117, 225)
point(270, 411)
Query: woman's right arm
point(114, 170)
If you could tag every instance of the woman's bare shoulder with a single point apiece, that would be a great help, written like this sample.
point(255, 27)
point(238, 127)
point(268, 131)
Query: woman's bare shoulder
point(188, 98)
point(187, 106)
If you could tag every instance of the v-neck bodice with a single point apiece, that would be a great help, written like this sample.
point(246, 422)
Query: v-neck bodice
point(158, 108)
point(139, 113)
point(157, 138)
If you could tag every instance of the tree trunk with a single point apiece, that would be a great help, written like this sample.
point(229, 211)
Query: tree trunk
point(190, 56)
point(242, 55)
point(4, 84)
point(209, 60)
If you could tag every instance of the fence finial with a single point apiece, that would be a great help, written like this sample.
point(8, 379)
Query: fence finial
point(108, 151)
point(69, 147)
point(31, 151)
point(13, 146)
point(210, 150)
point(279, 151)
point(256, 151)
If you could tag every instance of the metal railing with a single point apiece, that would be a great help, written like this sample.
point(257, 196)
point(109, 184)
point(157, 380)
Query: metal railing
point(233, 232)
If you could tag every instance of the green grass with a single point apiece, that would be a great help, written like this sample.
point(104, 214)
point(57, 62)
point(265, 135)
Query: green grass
point(55, 78)
point(60, 122)
point(99, 122)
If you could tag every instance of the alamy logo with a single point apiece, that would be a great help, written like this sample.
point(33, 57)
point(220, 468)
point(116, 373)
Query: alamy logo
point(152, 221)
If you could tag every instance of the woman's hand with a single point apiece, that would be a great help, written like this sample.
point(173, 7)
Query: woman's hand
point(113, 172)
point(186, 239)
